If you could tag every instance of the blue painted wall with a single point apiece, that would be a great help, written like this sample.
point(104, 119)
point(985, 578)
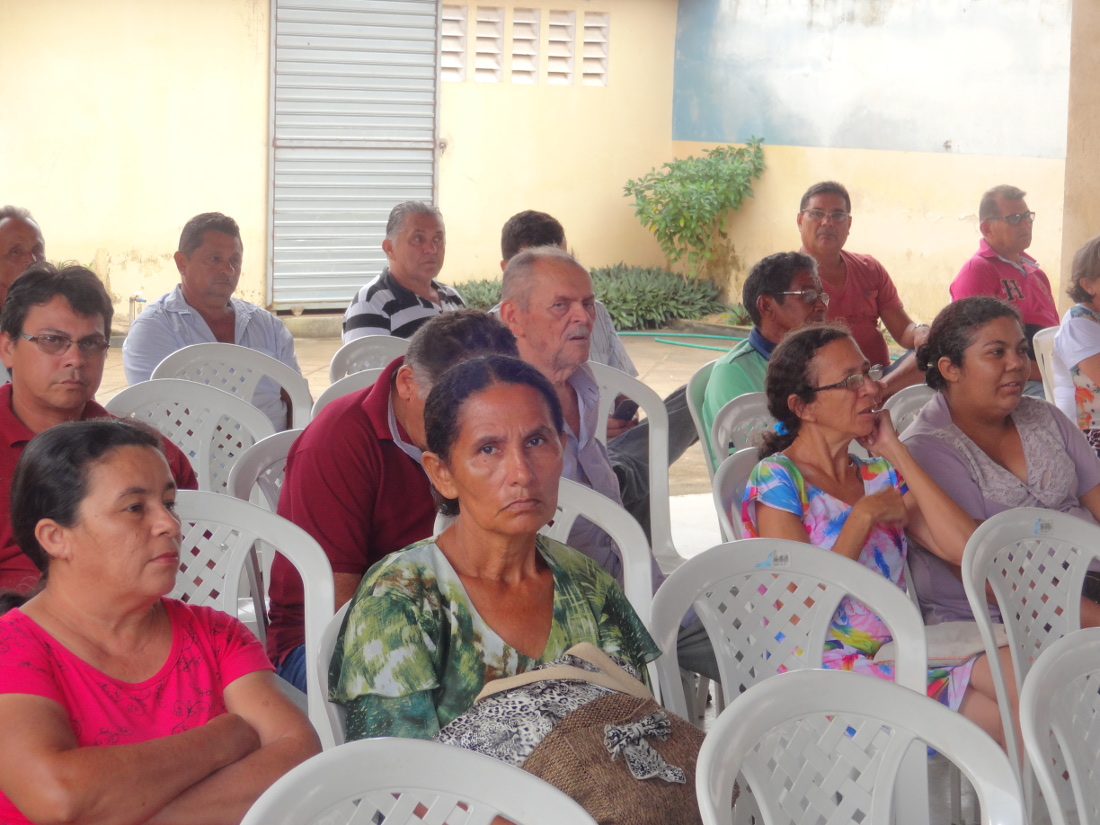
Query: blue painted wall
point(986, 77)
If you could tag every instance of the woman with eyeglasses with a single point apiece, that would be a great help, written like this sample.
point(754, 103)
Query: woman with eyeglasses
point(824, 393)
point(1077, 346)
point(990, 447)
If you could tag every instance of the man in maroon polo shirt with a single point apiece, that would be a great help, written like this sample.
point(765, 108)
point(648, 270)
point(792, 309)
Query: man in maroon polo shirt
point(54, 332)
point(353, 478)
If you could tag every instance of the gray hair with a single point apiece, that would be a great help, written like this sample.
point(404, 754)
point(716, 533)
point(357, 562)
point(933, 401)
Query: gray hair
point(397, 216)
point(17, 212)
point(988, 208)
point(519, 278)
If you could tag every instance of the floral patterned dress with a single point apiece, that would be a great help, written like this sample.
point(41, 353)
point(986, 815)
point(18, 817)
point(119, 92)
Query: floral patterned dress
point(856, 632)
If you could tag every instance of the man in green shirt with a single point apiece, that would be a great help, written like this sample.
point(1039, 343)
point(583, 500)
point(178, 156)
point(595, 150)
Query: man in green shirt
point(781, 293)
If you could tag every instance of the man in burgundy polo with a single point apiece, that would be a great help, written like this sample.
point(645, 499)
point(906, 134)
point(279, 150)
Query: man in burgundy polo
point(353, 478)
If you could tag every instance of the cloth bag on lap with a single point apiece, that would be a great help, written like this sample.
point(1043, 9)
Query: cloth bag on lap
point(585, 725)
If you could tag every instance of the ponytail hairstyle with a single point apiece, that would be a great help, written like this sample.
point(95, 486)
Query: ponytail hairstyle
point(789, 374)
point(954, 330)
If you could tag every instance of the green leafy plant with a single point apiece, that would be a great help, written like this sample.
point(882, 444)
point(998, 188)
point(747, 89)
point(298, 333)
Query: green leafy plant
point(646, 298)
point(686, 202)
point(483, 294)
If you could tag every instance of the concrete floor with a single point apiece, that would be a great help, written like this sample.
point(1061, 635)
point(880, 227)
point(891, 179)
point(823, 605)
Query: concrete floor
point(662, 366)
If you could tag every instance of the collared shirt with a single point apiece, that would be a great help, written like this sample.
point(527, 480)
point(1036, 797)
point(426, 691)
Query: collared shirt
point(17, 571)
point(170, 324)
point(1023, 284)
point(586, 462)
point(385, 307)
point(739, 371)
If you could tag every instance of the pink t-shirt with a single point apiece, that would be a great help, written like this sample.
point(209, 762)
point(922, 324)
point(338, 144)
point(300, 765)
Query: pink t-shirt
point(210, 649)
point(1026, 286)
point(867, 291)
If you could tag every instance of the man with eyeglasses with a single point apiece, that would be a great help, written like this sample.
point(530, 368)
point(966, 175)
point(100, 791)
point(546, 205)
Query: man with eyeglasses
point(21, 244)
point(860, 289)
point(1001, 269)
point(781, 293)
point(55, 329)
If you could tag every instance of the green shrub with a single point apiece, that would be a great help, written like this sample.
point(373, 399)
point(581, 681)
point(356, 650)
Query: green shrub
point(646, 298)
point(636, 297)
point(483, 294)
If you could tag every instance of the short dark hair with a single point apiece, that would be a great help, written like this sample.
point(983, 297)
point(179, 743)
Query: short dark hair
point(51, 477)
point(198, 226)
point(954, 330)
point(396, 219)
point(771, 275)
point(789, 374)
point(453, 337)
point(826, 187)
point(41, 281)
point(443, 409)
point(988, 208)
point(1085, 267)
point(529, 228)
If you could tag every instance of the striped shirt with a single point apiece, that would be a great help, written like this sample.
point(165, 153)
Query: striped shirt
point(385, 307)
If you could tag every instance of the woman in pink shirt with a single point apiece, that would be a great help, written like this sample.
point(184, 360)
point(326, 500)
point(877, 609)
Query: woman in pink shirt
point(119, 705)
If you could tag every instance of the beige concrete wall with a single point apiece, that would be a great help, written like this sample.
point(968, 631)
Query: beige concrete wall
point(124, 118)
point(1082, 201)
point(915, 212)
point(566, 150)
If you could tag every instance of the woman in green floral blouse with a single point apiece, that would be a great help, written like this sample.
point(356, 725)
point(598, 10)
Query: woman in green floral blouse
point(488, 597)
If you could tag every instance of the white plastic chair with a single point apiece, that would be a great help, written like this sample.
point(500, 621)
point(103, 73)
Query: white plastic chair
point(906, 404)
point(261, 468)
point(827, 746)
point(1035, 562)
point(212, 427)
point(728, 490)
point(238, 370)
point(334, 712)
point(1043, 344)
point(575, 500)
point(613, 383)
point(219, 533)
point(349, 383)
point(368, 352)
point(410, 782)
point(696, 396)
point(739, 424)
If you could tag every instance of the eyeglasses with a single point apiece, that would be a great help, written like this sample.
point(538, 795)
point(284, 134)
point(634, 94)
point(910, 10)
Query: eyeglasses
point(836, 216)
point(1015, 218)
point(58, 344)
point(809, 295)
point(854, 382)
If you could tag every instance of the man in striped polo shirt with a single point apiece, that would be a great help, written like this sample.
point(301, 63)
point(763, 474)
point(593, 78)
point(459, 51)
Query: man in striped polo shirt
point(406, 294)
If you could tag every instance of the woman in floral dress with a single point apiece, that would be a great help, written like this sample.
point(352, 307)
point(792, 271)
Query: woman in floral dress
point(823, 394)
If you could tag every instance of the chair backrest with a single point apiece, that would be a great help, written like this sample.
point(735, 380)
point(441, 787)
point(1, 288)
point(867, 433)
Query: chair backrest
point(576, 500)
point(826, 746)
point(349, 383)
point(792, 589)
point(739, 424)
point(334, 712)
point(238, 370)
point(219, 533)
point(906, 404)
point(696, 396)
point(1060, 724)
point(728, 490)
point(1035, 561)
point(262, 466)
point(411, 782)
point(368, 352)
point(612, 383)
point(1043, 343)
point(212, 427)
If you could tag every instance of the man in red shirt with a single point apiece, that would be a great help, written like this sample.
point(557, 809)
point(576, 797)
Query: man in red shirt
point(1001, 269)
point(859, 287)
point(54, 332)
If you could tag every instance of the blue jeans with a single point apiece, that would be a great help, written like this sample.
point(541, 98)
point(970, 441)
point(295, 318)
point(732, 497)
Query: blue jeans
point(293, 668)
